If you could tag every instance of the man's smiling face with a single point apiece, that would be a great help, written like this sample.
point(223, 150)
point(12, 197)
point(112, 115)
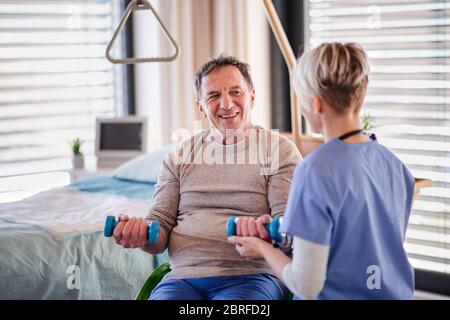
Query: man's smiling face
point(226, 100)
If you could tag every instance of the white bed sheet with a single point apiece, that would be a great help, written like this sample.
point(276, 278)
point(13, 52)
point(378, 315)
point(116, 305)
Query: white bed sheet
point(67, 212)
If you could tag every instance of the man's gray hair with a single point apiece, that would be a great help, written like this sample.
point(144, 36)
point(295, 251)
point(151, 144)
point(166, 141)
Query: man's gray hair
point(215, 64)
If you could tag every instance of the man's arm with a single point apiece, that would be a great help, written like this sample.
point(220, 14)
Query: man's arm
point(131, 232)
point(159, 246)
point(284, 158)
point(278, 165)
point(279, 183)
point(165, 203)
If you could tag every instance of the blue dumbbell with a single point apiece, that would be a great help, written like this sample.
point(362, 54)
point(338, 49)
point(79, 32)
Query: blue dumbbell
point(272, 228)
point(152, 229)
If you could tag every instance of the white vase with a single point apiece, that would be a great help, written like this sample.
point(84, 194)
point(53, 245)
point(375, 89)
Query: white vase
point(78, 161)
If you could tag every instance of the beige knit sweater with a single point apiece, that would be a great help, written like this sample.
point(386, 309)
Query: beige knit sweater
point(202, 183)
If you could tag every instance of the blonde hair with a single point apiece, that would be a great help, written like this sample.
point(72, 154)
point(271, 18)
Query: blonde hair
point(335, 72)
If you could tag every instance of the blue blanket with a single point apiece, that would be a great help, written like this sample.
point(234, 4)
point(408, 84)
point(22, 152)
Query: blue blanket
point(109, 185)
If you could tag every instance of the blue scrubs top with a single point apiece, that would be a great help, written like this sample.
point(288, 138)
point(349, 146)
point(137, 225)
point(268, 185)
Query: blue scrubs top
point(356, 199)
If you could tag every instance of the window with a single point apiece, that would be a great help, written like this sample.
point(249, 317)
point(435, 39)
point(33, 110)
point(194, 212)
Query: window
point(55, 82)
point(409, 94)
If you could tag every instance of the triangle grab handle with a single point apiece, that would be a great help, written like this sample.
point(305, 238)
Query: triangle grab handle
point(140, 5)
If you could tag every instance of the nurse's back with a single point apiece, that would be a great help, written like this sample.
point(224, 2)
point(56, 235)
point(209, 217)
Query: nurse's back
point(369, 195)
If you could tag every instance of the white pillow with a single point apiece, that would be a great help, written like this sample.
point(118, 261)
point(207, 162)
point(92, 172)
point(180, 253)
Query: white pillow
point(144, 168)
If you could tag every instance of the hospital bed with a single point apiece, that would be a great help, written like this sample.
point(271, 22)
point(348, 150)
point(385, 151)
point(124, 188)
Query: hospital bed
point(52, 244)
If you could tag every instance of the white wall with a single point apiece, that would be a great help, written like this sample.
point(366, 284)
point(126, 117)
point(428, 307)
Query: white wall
point(147, 91)
point(258, 51)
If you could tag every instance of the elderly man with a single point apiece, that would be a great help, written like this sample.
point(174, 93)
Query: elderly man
point(231, 169)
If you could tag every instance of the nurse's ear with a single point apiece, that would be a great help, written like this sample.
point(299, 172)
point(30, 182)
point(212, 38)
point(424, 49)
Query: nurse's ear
point(317, 105)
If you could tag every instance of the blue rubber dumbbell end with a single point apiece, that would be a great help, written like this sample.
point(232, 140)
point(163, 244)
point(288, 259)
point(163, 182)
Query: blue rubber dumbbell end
point(231, 226)
point(110, 224)
point(274, 227)
point(152, 229)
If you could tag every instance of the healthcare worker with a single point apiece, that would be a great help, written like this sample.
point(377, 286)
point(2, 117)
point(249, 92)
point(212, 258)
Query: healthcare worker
point(350, 200)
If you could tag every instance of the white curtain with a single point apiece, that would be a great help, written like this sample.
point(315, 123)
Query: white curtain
point(203, 29)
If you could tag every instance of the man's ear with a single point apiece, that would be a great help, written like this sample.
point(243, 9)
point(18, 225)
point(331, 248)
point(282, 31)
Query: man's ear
point(317, 105)
point(200, 108)
point(252, 97)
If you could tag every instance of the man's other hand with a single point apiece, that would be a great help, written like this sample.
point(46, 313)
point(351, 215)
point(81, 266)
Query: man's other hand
point(249, 226)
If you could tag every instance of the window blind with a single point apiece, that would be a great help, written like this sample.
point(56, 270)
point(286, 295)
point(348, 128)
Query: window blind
point(408, 98)
point(54, 81)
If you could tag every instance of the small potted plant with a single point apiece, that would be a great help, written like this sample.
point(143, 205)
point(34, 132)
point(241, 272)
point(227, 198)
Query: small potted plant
point(367, 122)
point(78, 158)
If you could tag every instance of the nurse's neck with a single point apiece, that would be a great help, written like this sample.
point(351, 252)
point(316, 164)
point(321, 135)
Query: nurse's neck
point(335, 126)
